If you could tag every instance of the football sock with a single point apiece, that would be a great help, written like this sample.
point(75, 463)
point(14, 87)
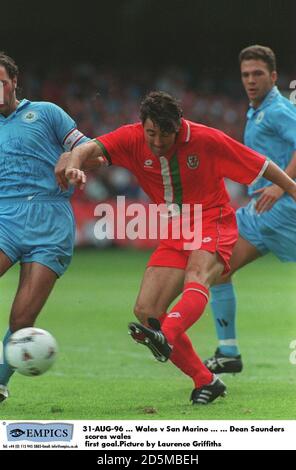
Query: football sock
point(223, 302)
point(5, 370)
point(186, 312)
point(186, 359)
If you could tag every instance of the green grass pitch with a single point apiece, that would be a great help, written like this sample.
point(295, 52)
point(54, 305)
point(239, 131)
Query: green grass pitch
point(102, 374)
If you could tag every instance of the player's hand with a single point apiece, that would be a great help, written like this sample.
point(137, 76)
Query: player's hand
point(94, 163)
point(76, 177)
point(269, 196)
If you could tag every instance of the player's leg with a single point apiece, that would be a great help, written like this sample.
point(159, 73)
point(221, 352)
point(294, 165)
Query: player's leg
point(35, 284)
point(249, 247)
point(202, 270)
point(5, 264)
point(223, 298)
point(160, 286)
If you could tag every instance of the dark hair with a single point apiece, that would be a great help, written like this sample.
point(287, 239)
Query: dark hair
point(163, 110)
point(9, 64)
point(259, 53)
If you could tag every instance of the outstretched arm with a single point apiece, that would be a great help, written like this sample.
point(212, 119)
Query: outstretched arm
point(86, 154)
point(277, 176)
point(270, 194)
point(69, 168)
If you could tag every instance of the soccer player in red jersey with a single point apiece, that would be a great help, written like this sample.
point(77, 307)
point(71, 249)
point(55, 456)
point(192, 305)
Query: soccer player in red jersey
point(176, 162)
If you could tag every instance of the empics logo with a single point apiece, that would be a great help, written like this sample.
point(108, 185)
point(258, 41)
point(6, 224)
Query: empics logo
point(38, 432)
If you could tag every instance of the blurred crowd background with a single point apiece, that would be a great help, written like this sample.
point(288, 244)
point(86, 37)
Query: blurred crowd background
point(98, 59)
point(100, 100)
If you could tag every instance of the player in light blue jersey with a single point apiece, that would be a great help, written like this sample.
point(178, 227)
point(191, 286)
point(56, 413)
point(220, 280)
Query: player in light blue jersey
point(268, 222)
point(36, 219)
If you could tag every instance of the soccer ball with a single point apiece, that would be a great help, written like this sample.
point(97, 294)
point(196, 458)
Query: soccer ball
point(31, 351)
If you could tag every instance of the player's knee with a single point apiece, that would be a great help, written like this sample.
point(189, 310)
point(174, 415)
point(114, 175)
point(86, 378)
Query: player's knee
point(196, 275)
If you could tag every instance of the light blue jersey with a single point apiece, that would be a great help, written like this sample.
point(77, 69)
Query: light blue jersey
point(31, 140)
point(271, 130)
point(36, 219)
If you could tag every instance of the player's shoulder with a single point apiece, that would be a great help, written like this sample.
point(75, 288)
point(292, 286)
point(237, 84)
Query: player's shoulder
point(202, 132)
point(280, 107)
point(46, 107)
point(135, 129)
point(133, 132)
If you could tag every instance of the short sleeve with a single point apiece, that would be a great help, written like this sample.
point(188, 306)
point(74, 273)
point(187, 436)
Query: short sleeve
point(236, 161)
point(116, 146)
point(65, 128)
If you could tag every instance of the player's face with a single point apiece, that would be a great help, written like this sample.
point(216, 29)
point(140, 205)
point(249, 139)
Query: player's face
point(257, 80)
point(158, 141)
point(7, 92)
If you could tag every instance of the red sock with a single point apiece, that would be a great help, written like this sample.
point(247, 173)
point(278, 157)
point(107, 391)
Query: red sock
point(186, 312)
point(186, 359)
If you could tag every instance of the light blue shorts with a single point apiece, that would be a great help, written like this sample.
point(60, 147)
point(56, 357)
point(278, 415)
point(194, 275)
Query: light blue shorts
point(273, 231)
point(39, 230)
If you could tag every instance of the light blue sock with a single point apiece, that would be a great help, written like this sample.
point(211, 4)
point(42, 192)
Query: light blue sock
point(223, 303)
point(5, 370)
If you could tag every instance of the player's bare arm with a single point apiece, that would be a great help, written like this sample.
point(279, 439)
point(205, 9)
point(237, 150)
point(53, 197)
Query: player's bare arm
point(270, 194)
point(71, 165)
point(277, 176)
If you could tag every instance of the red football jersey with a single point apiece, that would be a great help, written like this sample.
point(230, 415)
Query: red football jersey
point(193, 170)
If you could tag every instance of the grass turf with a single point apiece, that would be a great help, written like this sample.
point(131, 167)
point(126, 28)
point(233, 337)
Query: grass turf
point(102, 374)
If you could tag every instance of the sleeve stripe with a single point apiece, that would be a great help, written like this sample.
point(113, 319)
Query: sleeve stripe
point(76, 141)
point(104, 150)
point(69, 133)
point(265, 165)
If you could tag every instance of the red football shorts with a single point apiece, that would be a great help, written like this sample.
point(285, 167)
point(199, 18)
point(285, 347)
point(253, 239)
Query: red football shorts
point(218, 235)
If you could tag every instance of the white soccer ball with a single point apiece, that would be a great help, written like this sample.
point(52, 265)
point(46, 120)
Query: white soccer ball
point(31, 351)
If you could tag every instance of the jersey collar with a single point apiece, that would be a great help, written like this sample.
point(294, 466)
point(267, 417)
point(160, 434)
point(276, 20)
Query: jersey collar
point(271, 95)
point(184, 132)
point(22, 104)
point(183, 137)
